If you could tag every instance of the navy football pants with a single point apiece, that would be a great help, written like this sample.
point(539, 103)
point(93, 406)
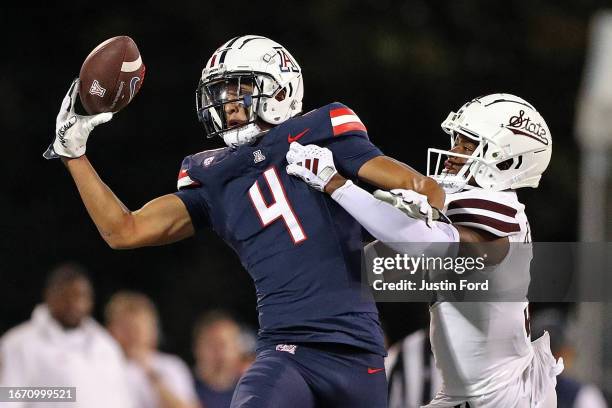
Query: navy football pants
point(320, 376)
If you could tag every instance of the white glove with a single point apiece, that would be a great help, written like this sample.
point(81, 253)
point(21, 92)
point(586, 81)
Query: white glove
point(71, 129)
point(410, 202)
point(311, 163)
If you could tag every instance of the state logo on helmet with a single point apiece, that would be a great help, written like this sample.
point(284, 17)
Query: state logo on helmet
point(258, 74)
point(514, 145)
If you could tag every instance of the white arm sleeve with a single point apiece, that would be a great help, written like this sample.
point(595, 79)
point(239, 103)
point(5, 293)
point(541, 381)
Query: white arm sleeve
point(388, 224)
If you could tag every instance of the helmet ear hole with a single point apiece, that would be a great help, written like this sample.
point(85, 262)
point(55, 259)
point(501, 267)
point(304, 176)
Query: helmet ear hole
point(506, 164)
point(280, 96)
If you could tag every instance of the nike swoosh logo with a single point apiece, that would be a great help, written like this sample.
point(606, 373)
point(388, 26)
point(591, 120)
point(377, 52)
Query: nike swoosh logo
point(374, 370)
point(291, 139)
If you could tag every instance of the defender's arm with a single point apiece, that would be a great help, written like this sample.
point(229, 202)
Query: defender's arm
point(161, 221)
point(393, 227)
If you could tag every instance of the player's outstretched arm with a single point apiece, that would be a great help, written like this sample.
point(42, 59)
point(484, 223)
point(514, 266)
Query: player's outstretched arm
point(161, 221)
point(399, 223)
point(381, 171)
point(396, 217)
point(315, 165)
point(387, 173)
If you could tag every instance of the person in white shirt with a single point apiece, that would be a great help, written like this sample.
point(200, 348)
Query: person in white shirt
point(62, 346)
point(158, 380)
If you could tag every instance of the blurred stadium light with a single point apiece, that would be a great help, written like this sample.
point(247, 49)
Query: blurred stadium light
point(594, 134)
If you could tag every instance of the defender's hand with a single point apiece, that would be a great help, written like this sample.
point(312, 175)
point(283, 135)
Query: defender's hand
point(311, 163)
point(71, 129)
point(415, 205)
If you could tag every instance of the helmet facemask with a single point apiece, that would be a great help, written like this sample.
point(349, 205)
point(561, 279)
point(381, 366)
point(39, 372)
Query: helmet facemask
point(449, 181)
point(238, 90)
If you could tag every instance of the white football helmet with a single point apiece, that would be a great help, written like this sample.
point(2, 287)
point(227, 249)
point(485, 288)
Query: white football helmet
point(514, 145)
point(255, 72)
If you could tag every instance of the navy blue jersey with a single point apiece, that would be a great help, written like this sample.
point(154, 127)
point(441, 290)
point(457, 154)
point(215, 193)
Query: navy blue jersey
point(302, 250)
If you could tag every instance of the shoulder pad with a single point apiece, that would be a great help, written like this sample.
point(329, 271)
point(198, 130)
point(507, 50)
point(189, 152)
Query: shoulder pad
point(324, 124)
point(344, 120)
point(493, 212)
point(201, 160)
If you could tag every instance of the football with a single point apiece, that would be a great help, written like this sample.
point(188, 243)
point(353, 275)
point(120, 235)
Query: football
point(111, 75)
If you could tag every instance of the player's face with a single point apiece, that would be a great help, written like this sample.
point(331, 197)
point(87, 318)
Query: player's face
point(235, 112)
point(463, 145)
point(71, 302)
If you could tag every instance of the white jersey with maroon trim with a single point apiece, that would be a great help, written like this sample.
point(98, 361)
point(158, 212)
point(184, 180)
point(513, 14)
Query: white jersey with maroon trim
point(481, 347)
point(498, 212)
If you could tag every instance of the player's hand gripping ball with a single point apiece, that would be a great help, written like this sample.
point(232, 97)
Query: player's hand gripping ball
point(110, 77)
point(71, 129)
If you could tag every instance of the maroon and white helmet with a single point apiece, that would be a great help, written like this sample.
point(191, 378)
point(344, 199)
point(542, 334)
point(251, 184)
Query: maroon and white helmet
point(254, 63)
point(514, 145)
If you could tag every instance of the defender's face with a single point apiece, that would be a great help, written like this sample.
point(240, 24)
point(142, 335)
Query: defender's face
point(463, 145)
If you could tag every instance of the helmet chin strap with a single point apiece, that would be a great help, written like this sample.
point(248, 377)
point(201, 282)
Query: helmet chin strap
point(451, 183)
point(243, 135)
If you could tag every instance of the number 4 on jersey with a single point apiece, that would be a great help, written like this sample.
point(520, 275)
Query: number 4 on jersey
point(281, 208)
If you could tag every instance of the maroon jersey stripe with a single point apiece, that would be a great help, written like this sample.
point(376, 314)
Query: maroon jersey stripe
point(483, 205)
point(506, 227)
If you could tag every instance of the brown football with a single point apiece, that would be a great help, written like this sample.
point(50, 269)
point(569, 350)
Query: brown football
point(111, 75)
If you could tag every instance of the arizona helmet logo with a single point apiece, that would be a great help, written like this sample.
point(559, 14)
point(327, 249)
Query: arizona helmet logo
point(96, 89)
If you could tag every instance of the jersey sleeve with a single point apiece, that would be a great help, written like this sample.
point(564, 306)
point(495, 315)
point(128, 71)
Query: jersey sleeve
point(492, 216)
point(349, 142)
point(192, 194)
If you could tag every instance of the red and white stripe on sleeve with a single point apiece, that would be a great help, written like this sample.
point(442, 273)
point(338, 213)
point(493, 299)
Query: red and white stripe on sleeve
point(497, 218)
point(345, 120)
point(185, 181)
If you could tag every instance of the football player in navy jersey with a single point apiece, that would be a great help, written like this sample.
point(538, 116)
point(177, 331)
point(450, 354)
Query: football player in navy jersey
point(320, 341)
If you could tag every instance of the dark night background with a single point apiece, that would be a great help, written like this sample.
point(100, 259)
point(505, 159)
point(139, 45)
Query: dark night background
point(402, 66)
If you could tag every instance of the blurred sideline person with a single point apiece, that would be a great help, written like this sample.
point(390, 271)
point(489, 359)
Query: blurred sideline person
point(570, 392)
point(157, 380)
point(248, 345)
point(411, 371)
point(219, 354)
point(300, 248)
point(62, 346)
point(499, 143)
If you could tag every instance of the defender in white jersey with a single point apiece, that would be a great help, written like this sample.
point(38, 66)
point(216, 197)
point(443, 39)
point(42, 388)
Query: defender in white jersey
point(499, 143)
point(484, 348)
